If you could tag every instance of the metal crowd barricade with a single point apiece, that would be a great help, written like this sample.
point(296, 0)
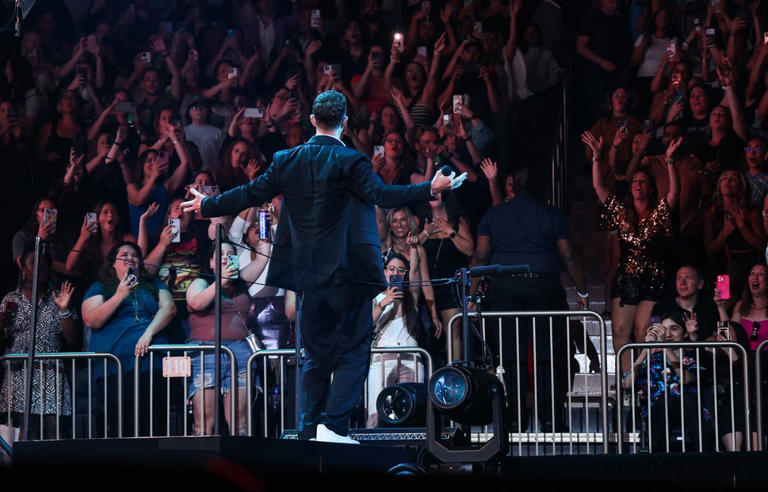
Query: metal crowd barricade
point(759, 393)
point(586, 437)
point(185, 349)
point(43, 360)
point(681, 350)
point(281, 354)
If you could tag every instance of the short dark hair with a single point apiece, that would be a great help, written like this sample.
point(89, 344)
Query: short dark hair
point(329, 108)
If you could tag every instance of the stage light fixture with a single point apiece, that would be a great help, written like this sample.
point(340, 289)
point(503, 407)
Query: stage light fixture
point(468, 395)
point(463, 394)
point(402, 405)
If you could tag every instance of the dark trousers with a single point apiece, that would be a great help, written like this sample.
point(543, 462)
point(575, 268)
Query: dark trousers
point(667, 424)
point(520, 334)
point(336, 332)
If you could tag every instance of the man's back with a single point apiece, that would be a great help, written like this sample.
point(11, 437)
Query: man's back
point(525, 231)
point(327, 232)
point(323, 216)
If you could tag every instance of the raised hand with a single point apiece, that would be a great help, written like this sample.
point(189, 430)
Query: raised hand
point(594, 144)
point(440, 44)
point(87, 229)
point(151, 210)
point(63, 298)
point(490, 168)
point(672, 147)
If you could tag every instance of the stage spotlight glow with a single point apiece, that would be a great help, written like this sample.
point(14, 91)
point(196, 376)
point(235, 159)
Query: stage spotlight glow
point(462, 393)
point(401, 405)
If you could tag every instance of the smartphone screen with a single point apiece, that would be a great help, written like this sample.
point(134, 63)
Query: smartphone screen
point(49, 216)
point(234, 261)
point(378, 150)
point(315, 19)
point(722, 330)
point(396, 281)
point(723, 285)
point(176, 226)
point(253, 113)
point(90, 218)
point(458, 101)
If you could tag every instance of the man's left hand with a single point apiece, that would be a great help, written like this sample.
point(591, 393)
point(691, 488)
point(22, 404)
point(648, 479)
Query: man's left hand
point(441, 182)
point(195, 204)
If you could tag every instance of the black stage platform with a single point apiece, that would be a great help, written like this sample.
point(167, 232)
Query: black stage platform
point(242, 463)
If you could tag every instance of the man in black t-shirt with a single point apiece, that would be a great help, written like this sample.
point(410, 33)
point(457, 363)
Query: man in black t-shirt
point(525, 231)
point(699, 311)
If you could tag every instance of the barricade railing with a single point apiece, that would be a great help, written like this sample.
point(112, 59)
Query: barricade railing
point(696, 393)
point(64, 382)
point(759, 393)
point(282, 354)
point(186, 350)
point(593, 434)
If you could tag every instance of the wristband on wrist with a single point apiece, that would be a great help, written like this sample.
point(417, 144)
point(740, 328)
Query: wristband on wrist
point(65, 314)
point(582, 295)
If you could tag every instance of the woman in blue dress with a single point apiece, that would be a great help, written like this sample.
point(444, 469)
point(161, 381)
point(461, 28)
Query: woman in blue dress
point(127, 311)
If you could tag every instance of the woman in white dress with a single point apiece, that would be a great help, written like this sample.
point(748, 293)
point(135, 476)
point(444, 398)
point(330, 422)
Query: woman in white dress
point(396, 324)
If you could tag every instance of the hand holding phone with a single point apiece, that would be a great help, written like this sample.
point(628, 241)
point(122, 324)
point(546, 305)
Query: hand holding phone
point(722, 330)
point(723, 286)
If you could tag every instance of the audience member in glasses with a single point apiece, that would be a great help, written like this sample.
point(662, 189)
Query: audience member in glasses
point(396, 324)
point(755, 170)
point(699, 312)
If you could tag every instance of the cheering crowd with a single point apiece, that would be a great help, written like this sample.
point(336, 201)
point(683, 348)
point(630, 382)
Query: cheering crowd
point(109, 118)
point(111, 115)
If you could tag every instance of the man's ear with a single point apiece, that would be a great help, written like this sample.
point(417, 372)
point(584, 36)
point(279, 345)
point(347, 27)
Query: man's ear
point(312, 120)
point(344, 122)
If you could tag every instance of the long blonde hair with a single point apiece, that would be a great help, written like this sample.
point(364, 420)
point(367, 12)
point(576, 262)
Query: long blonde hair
point(387, 242)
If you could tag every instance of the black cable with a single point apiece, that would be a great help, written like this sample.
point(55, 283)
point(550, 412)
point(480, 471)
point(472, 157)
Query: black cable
point(433, 282)
point(249, 283)
point(486, 348)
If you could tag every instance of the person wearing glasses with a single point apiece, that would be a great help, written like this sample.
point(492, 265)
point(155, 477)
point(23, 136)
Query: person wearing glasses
point(396, 324)
point(754, 170)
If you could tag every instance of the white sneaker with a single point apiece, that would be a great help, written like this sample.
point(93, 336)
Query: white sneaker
point(324, 434)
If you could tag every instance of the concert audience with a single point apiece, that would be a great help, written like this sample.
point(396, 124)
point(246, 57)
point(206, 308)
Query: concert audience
point(114, 109)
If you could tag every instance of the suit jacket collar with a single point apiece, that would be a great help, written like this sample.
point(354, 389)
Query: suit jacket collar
point(325, 140)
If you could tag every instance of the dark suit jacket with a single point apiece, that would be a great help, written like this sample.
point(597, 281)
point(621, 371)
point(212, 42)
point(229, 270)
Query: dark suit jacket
point(327, 232)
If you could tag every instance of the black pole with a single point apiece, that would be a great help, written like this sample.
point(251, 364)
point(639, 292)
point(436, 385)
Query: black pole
point(217, 349)
point(464, 278)
point(299, 362)
point(31, 347)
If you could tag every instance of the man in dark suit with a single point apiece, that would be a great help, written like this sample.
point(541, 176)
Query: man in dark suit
point(327, 249)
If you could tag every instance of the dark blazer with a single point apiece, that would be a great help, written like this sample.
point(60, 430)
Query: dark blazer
point(327, 232)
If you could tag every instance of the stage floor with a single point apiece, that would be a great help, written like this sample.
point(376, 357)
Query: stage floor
point(245, 463)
